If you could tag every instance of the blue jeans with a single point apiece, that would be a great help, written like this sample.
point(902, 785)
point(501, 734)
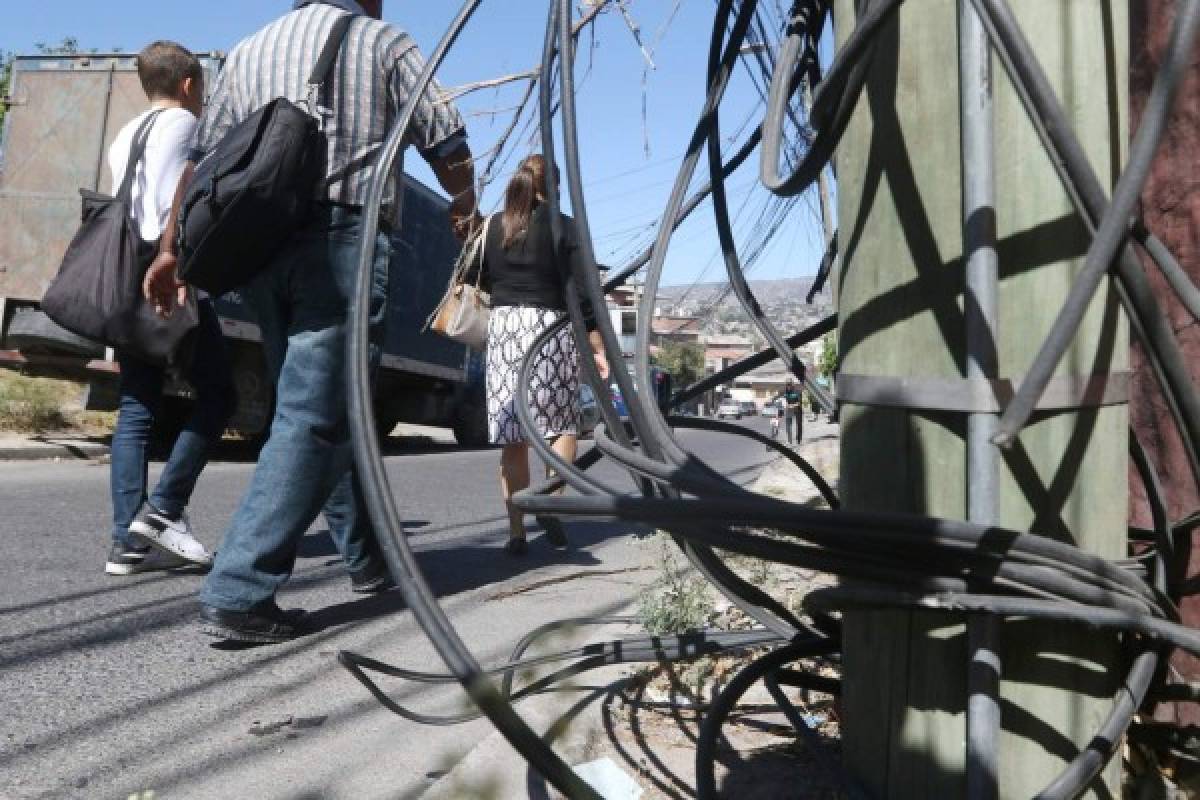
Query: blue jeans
point(302, 301)
point(141, 402)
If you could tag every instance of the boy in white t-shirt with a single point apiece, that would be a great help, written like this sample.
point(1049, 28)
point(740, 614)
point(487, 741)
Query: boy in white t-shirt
point(174, 82)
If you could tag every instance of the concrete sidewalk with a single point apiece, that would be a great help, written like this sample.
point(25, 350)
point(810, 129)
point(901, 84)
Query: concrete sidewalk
point(574, 718)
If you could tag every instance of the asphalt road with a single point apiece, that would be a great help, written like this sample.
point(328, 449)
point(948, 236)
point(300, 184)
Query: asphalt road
point(107, 688)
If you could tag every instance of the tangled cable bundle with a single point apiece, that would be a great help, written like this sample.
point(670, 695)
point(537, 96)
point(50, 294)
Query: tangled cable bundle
point(896, 560)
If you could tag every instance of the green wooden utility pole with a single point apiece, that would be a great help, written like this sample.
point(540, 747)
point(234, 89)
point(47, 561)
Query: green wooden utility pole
point(903, 320)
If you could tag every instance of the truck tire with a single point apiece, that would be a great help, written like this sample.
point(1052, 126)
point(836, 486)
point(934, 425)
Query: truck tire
point(386, 420)
point(31, 331)
point(470, 426)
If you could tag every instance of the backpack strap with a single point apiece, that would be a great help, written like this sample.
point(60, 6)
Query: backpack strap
point(319, 79)
point(137, 149)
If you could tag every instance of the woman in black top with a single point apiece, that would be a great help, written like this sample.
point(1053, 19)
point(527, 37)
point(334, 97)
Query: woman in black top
point(527, 288)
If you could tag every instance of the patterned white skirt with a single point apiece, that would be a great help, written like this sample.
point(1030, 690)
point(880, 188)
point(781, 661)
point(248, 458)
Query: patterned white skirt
point(554, 386)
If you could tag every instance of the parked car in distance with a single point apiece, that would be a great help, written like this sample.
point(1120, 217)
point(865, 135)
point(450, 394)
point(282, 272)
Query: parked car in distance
point(749, 408)
point(772, 408)
point(729, 408)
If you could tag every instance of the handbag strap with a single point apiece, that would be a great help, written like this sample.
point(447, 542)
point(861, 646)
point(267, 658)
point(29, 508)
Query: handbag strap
point(457, 278)
point(137, 149)
point(319, 79)
point(487, 221)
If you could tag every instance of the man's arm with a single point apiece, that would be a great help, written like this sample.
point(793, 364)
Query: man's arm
point(456, 174)
point(161, 286)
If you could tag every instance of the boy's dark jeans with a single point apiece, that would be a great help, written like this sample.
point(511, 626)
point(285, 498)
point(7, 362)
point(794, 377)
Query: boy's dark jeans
point(141, 403)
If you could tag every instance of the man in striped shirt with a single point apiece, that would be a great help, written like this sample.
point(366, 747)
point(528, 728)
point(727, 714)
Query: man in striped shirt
point(302, 299)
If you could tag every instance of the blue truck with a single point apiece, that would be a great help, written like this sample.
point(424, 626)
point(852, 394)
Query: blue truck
point(63, 111)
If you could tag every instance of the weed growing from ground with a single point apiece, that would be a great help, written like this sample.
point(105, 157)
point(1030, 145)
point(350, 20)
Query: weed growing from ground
point(679, 600)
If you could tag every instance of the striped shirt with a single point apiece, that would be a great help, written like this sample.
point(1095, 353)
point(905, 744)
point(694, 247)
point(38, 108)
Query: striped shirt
point(373, 78)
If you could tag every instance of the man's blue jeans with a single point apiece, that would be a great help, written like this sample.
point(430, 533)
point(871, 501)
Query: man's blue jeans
point(141, 401)
point(302, 302)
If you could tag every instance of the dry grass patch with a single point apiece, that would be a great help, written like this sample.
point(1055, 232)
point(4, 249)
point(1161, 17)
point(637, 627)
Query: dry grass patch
point(40, 405)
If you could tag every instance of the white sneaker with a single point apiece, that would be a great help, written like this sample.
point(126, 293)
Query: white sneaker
point(173, 536)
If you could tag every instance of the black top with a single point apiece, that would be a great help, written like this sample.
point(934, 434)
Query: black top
point(527, 274)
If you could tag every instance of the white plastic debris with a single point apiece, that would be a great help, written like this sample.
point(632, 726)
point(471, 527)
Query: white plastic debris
point(612, 782)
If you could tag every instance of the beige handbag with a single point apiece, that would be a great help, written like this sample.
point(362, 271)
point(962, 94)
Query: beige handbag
point(464, 311)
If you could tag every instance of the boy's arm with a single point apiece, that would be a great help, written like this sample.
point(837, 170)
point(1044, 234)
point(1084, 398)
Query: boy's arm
point(161, 286)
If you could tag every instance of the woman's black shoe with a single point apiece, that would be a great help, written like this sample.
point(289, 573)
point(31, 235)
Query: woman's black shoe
point(516, 547)
point(555, 533)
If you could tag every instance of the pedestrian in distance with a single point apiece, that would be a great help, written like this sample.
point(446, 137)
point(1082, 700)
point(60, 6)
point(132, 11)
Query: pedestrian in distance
point(302, 298)
point(153, 532)
point(527, 284)
point(793, 414)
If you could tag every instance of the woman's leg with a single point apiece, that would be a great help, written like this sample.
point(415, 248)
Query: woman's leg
point(514, 476)
point(565, 445)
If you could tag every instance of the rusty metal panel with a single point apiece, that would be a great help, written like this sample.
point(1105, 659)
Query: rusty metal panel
point(52, 148)
point(67, 110)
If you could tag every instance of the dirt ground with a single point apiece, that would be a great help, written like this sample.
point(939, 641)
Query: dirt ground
point(759, 755)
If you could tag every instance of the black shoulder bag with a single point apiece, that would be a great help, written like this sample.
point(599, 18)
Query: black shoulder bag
point(98, 290)
point(255, 188)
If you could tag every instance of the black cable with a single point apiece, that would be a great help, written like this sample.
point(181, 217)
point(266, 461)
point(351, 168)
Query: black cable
point(833, 100)
point(718, 426)
point(1112, 228)
point(588, 657)
point(825, 270)
point(727, 701)
point(904, 561)
point(379, 500)
point(759, 359)
point(1088, 196)
point(645, 416)
point(1165, 260)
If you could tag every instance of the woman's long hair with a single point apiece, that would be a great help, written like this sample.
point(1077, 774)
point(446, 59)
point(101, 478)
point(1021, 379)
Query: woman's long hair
point(521, 197)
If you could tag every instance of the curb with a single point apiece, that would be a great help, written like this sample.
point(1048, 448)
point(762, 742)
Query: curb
point(48, 449)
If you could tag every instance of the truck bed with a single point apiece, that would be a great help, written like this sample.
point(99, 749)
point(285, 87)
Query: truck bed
point(64, 113)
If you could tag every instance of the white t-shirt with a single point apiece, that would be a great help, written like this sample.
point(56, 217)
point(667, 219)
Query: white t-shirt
point(159, 170)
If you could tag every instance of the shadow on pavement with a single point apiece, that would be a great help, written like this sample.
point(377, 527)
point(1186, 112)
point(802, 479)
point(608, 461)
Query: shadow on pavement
point(481, 562)
point(243, 451)
point(452, 566)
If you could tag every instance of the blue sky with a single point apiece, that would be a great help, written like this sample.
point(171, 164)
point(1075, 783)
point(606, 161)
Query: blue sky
point(629, 162)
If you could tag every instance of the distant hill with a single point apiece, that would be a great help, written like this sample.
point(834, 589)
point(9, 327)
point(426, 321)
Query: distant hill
point(789, 291)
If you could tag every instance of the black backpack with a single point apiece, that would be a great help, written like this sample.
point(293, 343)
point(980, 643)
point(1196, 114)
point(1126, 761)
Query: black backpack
point(255, 188)
point(98, 290)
